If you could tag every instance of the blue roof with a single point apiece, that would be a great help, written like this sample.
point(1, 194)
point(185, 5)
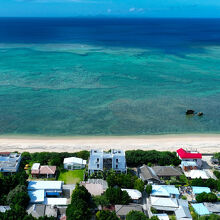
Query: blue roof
point(164, 190)
point(36, 196)
point(198, 189)
point(200, 209)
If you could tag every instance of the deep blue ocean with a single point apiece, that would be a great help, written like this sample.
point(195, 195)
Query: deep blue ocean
point(102, 76)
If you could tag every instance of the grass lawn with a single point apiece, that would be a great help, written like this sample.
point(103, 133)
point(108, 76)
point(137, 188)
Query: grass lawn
point(71, 176)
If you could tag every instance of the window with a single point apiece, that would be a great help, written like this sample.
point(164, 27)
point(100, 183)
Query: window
point(97, 160)
point(116, 166)
point(116, 160)
point(97, 165)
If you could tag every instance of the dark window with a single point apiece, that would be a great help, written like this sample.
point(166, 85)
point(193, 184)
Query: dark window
point(116, 160)
point(116, 166)
point(97, 165)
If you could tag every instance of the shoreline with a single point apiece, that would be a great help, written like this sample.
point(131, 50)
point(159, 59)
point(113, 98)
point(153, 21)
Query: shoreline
point(204, 143)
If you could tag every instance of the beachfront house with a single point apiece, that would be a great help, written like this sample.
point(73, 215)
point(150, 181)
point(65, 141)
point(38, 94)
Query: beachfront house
point(190, 156)
point(73, 163)
point(157, 173)
point(44, 171)
point(9, 162)
point(101, 161)
point(189, 165)
point(148, 175)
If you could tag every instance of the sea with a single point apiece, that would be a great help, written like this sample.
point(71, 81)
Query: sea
point(109, 76)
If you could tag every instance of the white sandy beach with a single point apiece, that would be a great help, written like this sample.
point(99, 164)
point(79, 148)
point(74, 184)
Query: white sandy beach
point(203, 143)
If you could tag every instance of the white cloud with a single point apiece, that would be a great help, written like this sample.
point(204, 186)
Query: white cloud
point(132, 9)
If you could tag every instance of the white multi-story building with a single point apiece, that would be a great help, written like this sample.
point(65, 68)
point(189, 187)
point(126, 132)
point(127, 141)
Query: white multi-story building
point(9, 162)
point(101, 161)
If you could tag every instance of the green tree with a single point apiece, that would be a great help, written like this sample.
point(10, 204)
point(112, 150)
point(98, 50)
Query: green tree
point(206, 197)
point(148, 189)
point(117, 196)
point(136, 215)
point(139, 185)
point(154, 218)
point(19, 196)
point(101, 200)
point(80, 207)
point(16, 213)
point(106, 215)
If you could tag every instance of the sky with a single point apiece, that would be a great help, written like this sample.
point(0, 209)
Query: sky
point(110, 8)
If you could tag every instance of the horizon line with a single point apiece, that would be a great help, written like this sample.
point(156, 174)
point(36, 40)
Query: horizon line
point(110, 17)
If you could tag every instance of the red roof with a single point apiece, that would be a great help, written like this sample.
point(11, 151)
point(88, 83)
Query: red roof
point(48, 169)
point(5, 153)
point(183, 154)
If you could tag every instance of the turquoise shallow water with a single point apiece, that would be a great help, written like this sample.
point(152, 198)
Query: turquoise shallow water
point(85, 89)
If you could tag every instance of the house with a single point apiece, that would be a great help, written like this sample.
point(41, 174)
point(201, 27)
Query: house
point(200, 209)
point(148, 175)
point(9, 162)
point(43, 171)
point(153, 174)
point(41, 210)
point(95, 186)
point(134, 194)
point(73, 163)
point(166, 172)
point(179, 207)
point(183, 213)
point(193, 174)
point(199, 189)
point(213, 207)
point(189, 165)
point(165, 191)
point(192, 156)
point(4, 208)
point(101, 161)
point(51, 188)
point(122, 210)
point(38, 191)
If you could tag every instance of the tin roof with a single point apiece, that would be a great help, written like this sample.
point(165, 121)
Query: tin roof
point(200, 209)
